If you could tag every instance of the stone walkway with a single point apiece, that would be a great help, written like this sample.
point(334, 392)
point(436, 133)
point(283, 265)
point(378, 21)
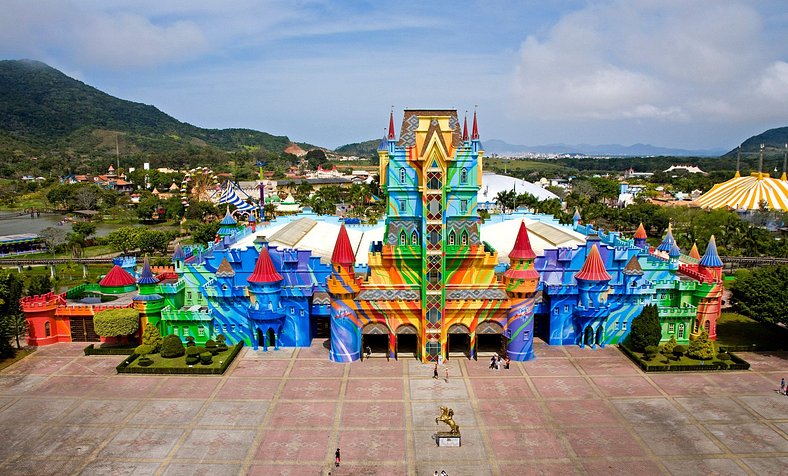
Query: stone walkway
point(571, 411)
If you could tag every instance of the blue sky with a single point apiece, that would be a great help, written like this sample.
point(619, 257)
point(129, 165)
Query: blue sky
point(677, 73)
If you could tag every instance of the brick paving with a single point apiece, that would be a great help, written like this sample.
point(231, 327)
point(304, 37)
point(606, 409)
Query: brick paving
point(571, 411)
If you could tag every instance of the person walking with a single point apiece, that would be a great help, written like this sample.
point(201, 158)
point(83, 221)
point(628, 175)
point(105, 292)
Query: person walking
point(506, 365)
point(435, 372)
point(782, 385)
point(447, 374)
point(369, 351)
point(492, 362)
point(336, 458)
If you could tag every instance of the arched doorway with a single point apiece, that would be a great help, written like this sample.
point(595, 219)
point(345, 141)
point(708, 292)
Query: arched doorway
point(407, 342)
point(489, 339)
point(458, 341)
point(375, 337)
point(272, 338)
point(588, 336)
point(600, 335)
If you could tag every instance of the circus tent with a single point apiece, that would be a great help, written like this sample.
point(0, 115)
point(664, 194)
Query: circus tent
point(747, 193)
point(231, 194)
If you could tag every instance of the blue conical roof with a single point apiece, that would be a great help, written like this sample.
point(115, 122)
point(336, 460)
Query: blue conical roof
point(178, 254)
point(384, 143)
point(576, 216)
point(674, 252)
point(228, 219)
point(667, 242)
point(146, 275)
point(710, 258)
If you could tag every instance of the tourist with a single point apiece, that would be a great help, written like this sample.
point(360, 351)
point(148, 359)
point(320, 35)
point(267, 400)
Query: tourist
point(435, 372)
point(447, 374)
point(506, 365)
point(369, 351)
point(782, 386)
point(492, 362)
point(336, 458)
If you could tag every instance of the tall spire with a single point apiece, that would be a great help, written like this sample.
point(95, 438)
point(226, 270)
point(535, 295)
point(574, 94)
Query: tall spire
point(146, 275)
point(641, 232)
point(710, 258)
point(392, 136)
point(264, 270)
point(760, 163)
point(593, 269)
point(738, 162)
point(522, 245)
point(576, 217)
point(668, 241)
point(475, 132)
point(343, 251)
point(465, 128)
point(178, 254)
point(694, 252)
point(785, 162)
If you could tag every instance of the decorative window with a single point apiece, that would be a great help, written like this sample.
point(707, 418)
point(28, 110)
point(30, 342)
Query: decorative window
point(624, 326)
point(403, 238)
point(566, 308)
point(697, 326)
point(452, 238)
point(463, 206)
point(292, 310)
point(464, 176)
point(414, 238)
point(402, 175)
point(680, 334)
point(185, 331)
point(224, 287)
point(232, 327)
point(464, 238)
point(47, 330)
point(201, 331)
point(403, 205)
point(216, 328)
point(526, 335)
point(615, 325)
point(224, 328)
point(301, 312)
point(671, 328)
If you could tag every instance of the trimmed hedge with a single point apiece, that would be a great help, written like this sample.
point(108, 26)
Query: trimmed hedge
point(93, 350)
point(124, 368)
point(738, 364)
point(116, 322)
point(172, 347)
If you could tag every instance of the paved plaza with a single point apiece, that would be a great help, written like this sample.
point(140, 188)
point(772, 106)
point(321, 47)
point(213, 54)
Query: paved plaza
point(571, 411)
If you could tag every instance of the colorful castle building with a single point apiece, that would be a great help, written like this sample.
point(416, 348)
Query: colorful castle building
point(430, 287)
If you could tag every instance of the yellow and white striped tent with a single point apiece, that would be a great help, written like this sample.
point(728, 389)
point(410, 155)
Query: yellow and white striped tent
point(746, 193)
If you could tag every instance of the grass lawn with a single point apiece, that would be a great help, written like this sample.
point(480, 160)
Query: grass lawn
point(160, 362)
point(535, 166)
point(20, 354)
point(735, 329)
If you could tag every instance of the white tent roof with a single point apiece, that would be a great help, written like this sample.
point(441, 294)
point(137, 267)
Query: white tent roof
point(501, 236)
point(492, 184)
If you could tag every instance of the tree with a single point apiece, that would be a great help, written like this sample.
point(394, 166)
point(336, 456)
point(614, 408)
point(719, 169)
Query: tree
point(151, 337)
point(116, 322)
point(84, 228)
point(151, 241)
point(667, 347)
point(701, 348)
point(39, 284)
point(52, 237)
point(646, 330)
point(204, 233)
point(172, 347)
point(13, 320)
point(123, 239)
point(761, 294)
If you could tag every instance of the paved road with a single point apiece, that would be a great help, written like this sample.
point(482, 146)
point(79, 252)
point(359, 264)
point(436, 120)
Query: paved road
point(572, 411)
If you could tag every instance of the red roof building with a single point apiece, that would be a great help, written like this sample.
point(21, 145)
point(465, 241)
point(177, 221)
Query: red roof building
point(343, 251)
point(522, 245)
point(593, 269)
point(264, 271)
point(117, 277)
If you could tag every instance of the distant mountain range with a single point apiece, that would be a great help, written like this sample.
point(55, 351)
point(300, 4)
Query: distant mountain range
point(499, 147)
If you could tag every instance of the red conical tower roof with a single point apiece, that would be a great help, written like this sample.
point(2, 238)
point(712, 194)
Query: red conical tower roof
point(117, 276)
point(465, 129)
point(264, 271)
point(593, 269)
point(694, 252)
point(343, 252)
point(522, 245)
point(391, 126)
point(641, 232)
point(475, 133)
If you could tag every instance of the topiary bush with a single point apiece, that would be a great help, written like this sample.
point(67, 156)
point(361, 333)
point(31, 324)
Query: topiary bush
point(190, 341)
point(221, 343)
point(701, 348)
point(144, 362)
point(646, 330)
point(152, 337)
point(116, 322)
point(172, 347)
point(667, 347)
point(206, 358)
point(679, 350)
point(651, 351)
point(723, 356)
point(143, 350)
point(210, 346)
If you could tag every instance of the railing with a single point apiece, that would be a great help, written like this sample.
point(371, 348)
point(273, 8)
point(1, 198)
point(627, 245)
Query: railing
point(53, 261)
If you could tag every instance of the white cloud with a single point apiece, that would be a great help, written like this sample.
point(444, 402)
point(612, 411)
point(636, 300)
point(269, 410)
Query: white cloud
point(652, 60)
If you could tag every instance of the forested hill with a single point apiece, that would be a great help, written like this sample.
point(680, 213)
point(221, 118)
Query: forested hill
point(773, 140)
point(43, 109)
point(368, 148)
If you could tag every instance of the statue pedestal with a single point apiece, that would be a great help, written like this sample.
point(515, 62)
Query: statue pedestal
point(445, 438)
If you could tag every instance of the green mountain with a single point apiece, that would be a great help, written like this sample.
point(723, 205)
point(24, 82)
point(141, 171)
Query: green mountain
point(774, 142)
point(42, 110)
point(368, 148)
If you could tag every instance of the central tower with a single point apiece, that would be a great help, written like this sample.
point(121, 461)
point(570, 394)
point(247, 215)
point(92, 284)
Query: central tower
point(431, 177)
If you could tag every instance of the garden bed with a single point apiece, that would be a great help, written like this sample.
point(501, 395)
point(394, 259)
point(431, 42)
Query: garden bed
point(109, 350)
point(177, 365)
point(684, 364)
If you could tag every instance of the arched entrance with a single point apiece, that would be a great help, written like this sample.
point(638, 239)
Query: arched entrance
point(458, 341)
point(375, 337)
point(489, 339)
point(407, 342)
point(267, 338)
point(600, 335)
point(588, 336)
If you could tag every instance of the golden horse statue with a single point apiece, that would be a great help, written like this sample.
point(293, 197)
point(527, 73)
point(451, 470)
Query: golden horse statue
point(446, 417)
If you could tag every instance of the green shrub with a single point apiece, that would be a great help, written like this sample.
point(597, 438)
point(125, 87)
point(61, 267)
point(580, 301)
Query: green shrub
point(652, 349)
point(143, 350)
point(221, 339)
point(646, 330)
point(723, 356)
point(210, 346)
point(667, 347)
point(679, 350)
point(151, 337)
point(222, 346)
point(190, 341)
point(144, 362)
point(194, 351)
point(192, 359)
point(172, 347)
point(701, 348)
point(206, 358)
point(116, 322)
